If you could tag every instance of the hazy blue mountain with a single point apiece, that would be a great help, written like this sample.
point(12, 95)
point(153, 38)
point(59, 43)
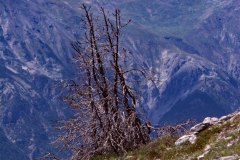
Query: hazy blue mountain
point(34, 56)
point(191, 47)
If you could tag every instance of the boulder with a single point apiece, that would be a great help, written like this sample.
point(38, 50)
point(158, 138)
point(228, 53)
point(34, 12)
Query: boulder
point(210, 120)
point(191, 138)
point(199, 127)
point(224, 118)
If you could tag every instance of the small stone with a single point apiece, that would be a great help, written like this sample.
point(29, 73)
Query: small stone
point(201, 157)
point(206, 151)
point(232, 142)
point(229, 144)
point(207, 148)
point(129, 157)
point(238, 130)
point(228, 138)
point(235, 157)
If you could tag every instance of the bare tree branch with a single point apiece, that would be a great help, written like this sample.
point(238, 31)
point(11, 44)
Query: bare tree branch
point(106, 119)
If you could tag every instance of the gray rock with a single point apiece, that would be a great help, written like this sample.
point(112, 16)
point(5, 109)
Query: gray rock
point(201, 156)
point(224, 118)
point(206, 151)
point(210, 120)
point(191, 138)
point(234, 157)
point(238, 130)
point(200, 127)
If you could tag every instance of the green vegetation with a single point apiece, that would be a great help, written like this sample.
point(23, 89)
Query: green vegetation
point(165, 148)
point(224, 140)
point(231, 132)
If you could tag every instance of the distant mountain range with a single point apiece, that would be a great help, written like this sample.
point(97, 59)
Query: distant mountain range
point(192, 47)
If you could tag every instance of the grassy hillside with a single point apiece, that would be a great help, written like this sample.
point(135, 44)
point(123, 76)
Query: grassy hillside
point(217, 141)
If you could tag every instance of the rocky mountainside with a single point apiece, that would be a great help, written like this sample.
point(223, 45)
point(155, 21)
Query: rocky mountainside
point(191, 47)
point(34, 57)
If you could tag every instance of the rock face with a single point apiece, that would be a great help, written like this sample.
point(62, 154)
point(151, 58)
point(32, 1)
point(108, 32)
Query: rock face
point(33, 59)
point(194, 58)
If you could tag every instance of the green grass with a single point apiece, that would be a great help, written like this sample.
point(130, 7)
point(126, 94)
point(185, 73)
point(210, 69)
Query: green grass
point(164, 148)
point(220, 148)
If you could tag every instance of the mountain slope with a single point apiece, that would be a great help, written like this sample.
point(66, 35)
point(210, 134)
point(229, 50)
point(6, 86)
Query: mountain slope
point(191, 47)
point(34, 56)
point(219, 139)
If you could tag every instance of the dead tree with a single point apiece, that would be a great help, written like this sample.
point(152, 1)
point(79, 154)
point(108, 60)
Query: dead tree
point(106, 119)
